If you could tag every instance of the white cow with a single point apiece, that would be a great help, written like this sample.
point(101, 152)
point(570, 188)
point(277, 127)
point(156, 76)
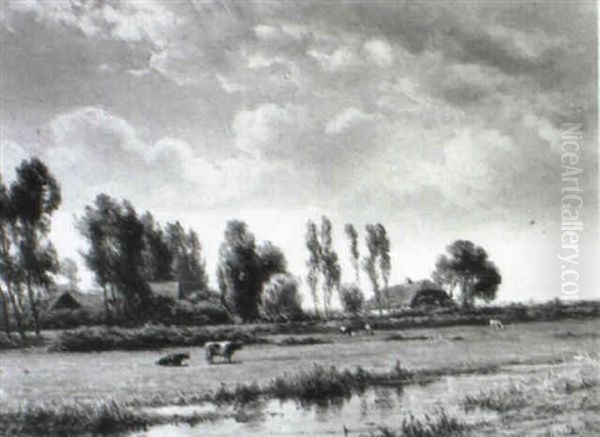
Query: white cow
point(223, 349)
point(496, 324)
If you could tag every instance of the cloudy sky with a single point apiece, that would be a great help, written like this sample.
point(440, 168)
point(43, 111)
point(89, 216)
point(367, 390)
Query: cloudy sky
point(440, 120)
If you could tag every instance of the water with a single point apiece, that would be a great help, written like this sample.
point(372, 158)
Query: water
point(381, 406)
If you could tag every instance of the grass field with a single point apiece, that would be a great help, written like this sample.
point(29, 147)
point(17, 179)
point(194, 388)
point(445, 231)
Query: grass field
point(34, 375)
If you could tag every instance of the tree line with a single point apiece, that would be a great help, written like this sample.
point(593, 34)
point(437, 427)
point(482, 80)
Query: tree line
point(127, 251)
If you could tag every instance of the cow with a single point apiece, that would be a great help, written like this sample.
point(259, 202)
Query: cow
point(224, 349)
point(175, 360)
point(496, 324)
point(346, 330)
point(368, 329)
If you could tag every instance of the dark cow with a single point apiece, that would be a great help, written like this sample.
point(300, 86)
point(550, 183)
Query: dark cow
point(175, 360)
point(224, 349)
point(346, 330)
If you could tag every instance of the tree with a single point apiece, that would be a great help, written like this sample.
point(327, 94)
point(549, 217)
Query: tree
point(68, 268)
point(330, 267)
point(35, 195)
point(467, 267)
point(96, 226)
point(370, 262)
point(353, 298)
point(7, 262)
point(244, 268)
point(115, 254)
point(239, 271)
point(186, 255)
point(354, 253)
point(385, 262)
point(280, 298)
point(314, 262)
point(157, 255)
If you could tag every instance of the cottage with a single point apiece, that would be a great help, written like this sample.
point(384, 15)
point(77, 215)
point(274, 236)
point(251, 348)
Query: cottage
point(418, 293)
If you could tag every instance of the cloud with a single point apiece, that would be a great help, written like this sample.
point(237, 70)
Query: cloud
point(267, 129)
point(347, 119)
point(379, 52)
point(339, 59)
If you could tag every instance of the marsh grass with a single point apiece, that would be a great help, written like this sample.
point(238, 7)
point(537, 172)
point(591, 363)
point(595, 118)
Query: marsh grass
point(440, 424)
point(53, 419)
point(500, 400)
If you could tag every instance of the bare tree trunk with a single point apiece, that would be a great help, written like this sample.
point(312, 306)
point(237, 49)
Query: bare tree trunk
point(34, 309)
point(5, 314)
point(17, 311)
point(107, 319)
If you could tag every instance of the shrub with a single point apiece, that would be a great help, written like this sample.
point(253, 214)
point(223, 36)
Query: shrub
point(281, 299)
point(353, 298)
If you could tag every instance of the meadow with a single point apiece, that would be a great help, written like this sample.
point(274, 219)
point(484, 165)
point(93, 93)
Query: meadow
point(35, 376)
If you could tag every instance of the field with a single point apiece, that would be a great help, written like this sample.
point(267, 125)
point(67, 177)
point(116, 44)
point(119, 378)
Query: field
point(34, 376)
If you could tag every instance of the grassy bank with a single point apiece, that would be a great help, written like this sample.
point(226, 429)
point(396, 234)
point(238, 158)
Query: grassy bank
point(146, 338)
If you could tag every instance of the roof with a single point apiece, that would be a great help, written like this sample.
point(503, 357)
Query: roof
point(406, 294)
point(168, 289)
point(72, 299)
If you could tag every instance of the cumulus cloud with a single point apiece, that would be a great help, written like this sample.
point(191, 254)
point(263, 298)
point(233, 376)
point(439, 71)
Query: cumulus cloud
point(264, 130)
point(379, 52)
point(347, 119)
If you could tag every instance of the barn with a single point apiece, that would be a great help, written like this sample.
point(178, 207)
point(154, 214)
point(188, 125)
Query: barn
point(418, 293)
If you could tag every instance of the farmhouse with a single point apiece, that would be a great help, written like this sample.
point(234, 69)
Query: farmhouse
point(71, 300)
point(414, 294)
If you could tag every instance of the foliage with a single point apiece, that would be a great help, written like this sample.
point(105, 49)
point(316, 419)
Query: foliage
point(95, 339)
point(281, 299)
point(330, 267)
point(185, 253)
point(29, 259)
point(353, 298)
point(243, 269)
point(352, 235)
point(370, 262)
point(437, 425)
point(314, 262)
point(115, 254)
point(467, 267)
point(385, 262)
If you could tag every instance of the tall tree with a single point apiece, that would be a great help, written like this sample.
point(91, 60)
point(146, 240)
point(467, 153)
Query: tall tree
point(330, 266)
point(354, 253)
point(385, 262)
point(115, 235)
point(467, 267)
point(244, 268)
point(97, 227)
point(370, 262)
point(36, 195)
point(7, 262)
point(239, 271)
point(314, 262)
point(157, 255)
point(186, 252)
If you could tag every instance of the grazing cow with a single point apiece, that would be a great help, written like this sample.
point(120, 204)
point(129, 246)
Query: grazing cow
point(346, 330)
point(496, 324)
point(175, 360)
point(223, 349)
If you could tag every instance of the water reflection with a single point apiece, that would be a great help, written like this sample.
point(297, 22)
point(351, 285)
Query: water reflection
point(361, 414)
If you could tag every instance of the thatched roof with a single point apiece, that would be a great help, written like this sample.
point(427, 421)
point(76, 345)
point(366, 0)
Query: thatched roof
point(72, 300)
point(416, 293)
point(168, 289)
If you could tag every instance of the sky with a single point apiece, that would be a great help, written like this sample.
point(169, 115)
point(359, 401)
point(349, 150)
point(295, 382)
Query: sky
point(440, 120)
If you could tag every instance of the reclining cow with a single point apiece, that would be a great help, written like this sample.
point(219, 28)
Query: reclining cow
point(224, 349)
point(175, 360)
